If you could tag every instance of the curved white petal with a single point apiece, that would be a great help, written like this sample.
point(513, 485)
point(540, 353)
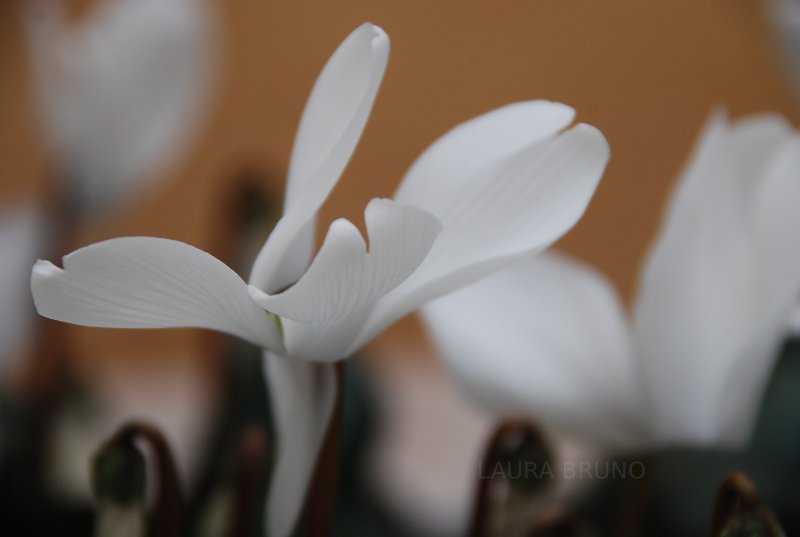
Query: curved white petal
point(21, 236)
point(120, 94)
point(546, 338)
point(718, 284)
point(323, 343)
point(500, 134)
point(332, 123)
point(777, 250)
point(504, 185)
point(776, 224)
point(145, 282)
point(719, 182)
point(794, 322)
point(344, 278)
point(302, 396)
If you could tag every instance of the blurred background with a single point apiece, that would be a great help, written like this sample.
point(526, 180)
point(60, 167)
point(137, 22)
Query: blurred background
point(646, 74)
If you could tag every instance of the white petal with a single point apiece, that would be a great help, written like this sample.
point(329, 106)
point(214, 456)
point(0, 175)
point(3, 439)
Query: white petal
point(302, 396)
point(504, 185)
point(344, 278)
point(323, 343)
point(794, 322)
point(545, 338)
point(497, 135)
point(145, 282)
point(776, 224)
point(717, 286)
point(120, 94)
point(721, 177)
point(21, 234)
point(777, 250)
point(334, 117)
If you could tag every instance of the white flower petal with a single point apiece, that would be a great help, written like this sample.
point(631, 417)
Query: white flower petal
point(504, 185)
point(145, 282)
point(21, 235)
point(777, 250)
point(324, 312)
point(546, 338)
point(794, 322)
point(334, 117)
point(721, 176)
point(344, 278)
point(712, 301)
point(776, 224)
point(489, 138)
point(323, 343)
point(302, 396)
point(120, 94)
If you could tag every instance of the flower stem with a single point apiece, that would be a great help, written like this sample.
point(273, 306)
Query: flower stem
point(168, 505)
point(514, 443)
point(636, 496)
point(558, 524)
point(738, 510)
point(321, 501)
point(249, 482)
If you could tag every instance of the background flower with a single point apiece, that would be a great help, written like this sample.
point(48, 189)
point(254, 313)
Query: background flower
point(549, 338)
point(119, 95)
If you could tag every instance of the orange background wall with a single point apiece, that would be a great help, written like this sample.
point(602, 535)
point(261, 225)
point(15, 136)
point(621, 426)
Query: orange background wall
point(645, 72)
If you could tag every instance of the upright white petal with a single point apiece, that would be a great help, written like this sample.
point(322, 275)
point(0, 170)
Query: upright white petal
point(718, 285)
point(303, 393)
point(21, 234)
point(120, 94)
point(344, 278)
point(302, 397)
point(724, 168)
point(504, 185)
point(145, 282)
point(545, 338)
point(776, 221)
point(794, 322)
point(332, 123)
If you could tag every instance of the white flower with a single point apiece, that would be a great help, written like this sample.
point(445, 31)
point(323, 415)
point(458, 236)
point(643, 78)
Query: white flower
point(21, 235)
point(549, 338)
point(486, 194)
point(118, 95)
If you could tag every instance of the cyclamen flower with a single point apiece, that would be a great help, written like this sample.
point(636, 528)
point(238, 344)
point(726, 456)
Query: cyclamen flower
point(488, 193)
point(118, 95)
point(548, 337)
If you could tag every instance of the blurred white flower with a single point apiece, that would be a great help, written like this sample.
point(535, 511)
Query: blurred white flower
point(21, 237)
point(486, 194)
point(119, 94)
point(548, 337)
